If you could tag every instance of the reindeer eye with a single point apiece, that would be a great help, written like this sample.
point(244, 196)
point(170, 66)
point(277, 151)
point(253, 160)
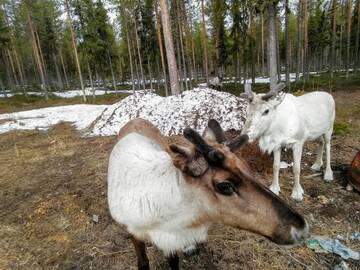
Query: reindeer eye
point(225, 188)
point(266, 112)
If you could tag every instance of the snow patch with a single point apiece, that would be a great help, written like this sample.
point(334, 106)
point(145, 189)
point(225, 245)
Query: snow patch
point(81, 116)
point(76, 93)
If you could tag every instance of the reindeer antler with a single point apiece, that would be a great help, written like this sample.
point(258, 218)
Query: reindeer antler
point(274, 91)
point(248, 93)
point(217, 130)
point(211, 155)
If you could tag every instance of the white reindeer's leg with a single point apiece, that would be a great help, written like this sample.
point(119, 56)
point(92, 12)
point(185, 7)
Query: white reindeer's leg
point(328, 176)
point(319, 155)
point(275, 187)
point(297, 192)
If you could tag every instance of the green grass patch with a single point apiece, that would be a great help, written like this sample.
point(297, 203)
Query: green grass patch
point(342, 128)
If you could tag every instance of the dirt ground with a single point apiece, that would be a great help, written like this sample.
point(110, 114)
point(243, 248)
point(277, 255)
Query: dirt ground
point(54, 215)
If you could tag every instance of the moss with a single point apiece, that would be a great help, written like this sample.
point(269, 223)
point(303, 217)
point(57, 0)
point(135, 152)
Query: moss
point(299, 92)
point(341, 128)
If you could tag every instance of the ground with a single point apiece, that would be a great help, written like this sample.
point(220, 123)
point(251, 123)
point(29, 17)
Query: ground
point(54, 215)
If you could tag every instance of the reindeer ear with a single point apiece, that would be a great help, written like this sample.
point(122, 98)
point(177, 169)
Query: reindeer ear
point(209, 135)
point(183, 151)
point(238, 142)
point(186, 160)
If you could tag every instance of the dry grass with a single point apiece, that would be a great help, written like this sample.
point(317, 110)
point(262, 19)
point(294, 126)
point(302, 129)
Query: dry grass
point(52, 183)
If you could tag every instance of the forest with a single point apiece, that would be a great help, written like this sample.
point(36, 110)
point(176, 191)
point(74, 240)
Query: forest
point(54, 45)
point(190, 134)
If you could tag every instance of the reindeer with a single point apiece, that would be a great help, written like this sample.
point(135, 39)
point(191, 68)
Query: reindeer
point(284, 120)
point(169, 194)
point(215, 82)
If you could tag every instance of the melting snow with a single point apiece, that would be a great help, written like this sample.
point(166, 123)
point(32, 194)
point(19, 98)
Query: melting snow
point(81, 116)
point(75, 93)
point(170, 114)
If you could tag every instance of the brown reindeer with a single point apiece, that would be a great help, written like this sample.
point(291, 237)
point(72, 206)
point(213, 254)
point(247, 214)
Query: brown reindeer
point(169, 194)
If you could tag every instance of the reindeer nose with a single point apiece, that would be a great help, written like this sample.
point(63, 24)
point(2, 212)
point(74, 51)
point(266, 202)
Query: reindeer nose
point(291, 234)
point(299, 234)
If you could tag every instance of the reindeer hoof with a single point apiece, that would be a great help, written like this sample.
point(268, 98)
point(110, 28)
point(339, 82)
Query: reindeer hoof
point(297, 194)
point(275, 189)
point(297, 197)
point(316, 167)
point(328, 177)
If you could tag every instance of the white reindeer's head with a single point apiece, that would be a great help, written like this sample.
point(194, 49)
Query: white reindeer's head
point(261, 110)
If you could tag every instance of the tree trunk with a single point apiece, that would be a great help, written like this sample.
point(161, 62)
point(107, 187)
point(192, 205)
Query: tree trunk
point(3, 88)
point(20, 69)
point(75, 48)
point(58, 75)
point(41, 56)
point(340, 47)
point(8, 73)
point(11, 61)
point(112, 71)
point(272, 61)
point(183, 56)
point(348, 35)
point(278, 67)
point(104, 83)
point(91, 81)
point(13, 49)
point(150, 73)
point(169, 46)
point(64, 69)
point(139, 55)
point(298, 41)
point(287, 46)
point(194, 59)
point(130, 59)
point(36, 54)
point(357, 58)
point(306, 53)
point(238, 75)
point(204, 42)
point(158, 30)
point(333, 39)
point(262, 46)
point(188, 42)
point(178, 59)
point(138, 81)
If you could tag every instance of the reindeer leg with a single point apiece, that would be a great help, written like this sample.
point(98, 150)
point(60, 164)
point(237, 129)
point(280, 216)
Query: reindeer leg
point(173, 260)
point(275, 187)
point(328, 176)
point(319, 155)
point(297, 192)
point(140, 250)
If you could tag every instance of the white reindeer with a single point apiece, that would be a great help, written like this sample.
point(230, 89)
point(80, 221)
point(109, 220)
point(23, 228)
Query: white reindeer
point(284, 120)
point(215, 82)
point(170, 194)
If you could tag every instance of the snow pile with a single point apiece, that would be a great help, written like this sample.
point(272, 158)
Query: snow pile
point(172, 114)
point(81, 116)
